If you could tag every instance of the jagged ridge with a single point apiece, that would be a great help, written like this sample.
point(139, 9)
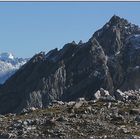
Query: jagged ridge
point(77, 70)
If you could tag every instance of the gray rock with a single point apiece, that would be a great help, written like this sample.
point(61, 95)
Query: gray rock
point(133, 98)
point(104, 96)
point(60, 103)
point(49, 122)
point(104, 92)
point(108, 99)
point(119, 95)
point(134, 111)
point(81, 99)
point(32, 109)
point(62, 119)
point(117, 118)
point(97, 95)
point(89, 109)
point(4, 136)
point(71, 103)
point(125, 130)
point(25, 123)
point(78, 105)
point(19, 121)
point(24, 111)
point(137, 118)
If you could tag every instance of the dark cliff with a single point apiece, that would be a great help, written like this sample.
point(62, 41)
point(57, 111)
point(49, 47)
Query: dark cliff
point(109, 60)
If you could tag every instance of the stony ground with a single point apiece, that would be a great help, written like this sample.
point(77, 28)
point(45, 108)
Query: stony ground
point(80, 119)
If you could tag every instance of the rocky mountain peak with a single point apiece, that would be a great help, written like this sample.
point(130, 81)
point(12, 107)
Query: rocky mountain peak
point(113, 34)
point(116, 21)
point(80, 42)
point(73, 42)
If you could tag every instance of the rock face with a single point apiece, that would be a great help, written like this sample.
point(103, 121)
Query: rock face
point(109, 60)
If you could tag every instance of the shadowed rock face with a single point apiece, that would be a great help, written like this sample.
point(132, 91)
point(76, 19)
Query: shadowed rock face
point(131, 63)
point(77, 71)
point(109, 60)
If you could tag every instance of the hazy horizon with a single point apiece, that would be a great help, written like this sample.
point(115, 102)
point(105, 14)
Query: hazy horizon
point(30, 27)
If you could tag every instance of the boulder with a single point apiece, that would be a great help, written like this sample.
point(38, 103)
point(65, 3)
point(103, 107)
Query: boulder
point(78, 105)
point(117, 118)
point(137, 118)
point(104, 92)
point(62, 119)
point(4, 136)
point(103, 95)
point(119, 95)
point(132, 98)
point(71, 103)
point(60, 103)
point(134, 111)
point(97, 95)
point(108, 98)
point(25, 123)
point(81, 99)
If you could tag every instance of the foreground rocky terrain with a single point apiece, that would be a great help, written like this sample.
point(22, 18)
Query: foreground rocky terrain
point(104, 117)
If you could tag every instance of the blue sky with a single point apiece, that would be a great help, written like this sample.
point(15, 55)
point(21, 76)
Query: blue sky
point(27, 28)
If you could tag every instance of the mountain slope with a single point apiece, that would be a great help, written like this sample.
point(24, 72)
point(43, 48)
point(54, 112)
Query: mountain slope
point(109, 60)
point(9, 65)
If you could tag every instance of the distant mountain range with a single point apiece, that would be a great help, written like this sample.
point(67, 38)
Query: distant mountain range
point(110, 59)
point(9, 64)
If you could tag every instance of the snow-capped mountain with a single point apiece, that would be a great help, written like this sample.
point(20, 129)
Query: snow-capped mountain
point(8, 65)
point(6, 56)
